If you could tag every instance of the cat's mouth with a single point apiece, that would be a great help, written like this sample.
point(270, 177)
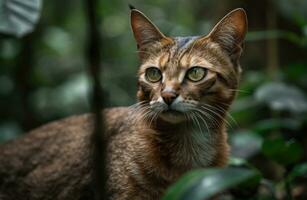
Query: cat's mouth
point(172, 112)
point(172, 116)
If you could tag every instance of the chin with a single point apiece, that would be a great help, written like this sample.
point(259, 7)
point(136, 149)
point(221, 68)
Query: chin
point(173, 117)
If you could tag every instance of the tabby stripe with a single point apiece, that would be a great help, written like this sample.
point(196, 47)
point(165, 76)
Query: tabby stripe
point(223, 80)
point(206, 90)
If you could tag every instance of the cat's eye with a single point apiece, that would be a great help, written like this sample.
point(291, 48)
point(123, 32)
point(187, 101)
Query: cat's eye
point(196, 73)
point(153, 74)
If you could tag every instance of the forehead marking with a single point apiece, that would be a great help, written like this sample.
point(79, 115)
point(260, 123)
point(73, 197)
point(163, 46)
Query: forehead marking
point(181, 76)
point(183, 43)
point(172, 62)
point(164, 60)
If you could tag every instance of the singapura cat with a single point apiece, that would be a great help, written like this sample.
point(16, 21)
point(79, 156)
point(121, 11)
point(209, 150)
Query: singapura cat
point(185, 87)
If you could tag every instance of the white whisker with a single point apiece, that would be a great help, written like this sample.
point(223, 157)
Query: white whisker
point(205, 106)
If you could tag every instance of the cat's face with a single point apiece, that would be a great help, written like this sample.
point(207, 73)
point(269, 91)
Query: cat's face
point(183, 75)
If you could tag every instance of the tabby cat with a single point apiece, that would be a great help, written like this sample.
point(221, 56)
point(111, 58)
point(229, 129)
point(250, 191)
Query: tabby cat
point(185, 87)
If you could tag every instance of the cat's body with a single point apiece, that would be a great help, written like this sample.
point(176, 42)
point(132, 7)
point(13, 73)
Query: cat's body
point(56, 164)
point(185, 88)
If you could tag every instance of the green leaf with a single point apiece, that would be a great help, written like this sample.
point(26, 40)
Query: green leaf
point(283, 152)
point(245, 144)
point(18, 17)
point(281, 97)
point(296, 72)
point(293, 9)
point(269, 125)
point(298, 170)
point(242, 163)
point(237, 162)
point(204, 184)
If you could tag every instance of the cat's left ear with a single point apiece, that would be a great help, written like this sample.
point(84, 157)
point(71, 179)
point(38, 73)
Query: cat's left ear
point(144, 30)
point(230, 32)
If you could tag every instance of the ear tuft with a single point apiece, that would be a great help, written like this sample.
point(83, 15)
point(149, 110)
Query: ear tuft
point(131, 7)
point(230, 32)
point(144, 30)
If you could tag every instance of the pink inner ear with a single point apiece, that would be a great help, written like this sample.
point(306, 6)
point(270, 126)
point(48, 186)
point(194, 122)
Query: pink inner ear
point(239, 21)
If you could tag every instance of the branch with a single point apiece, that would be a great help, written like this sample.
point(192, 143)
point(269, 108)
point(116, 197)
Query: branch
point(98, 140)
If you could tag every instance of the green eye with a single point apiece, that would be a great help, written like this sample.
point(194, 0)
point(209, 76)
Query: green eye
point(153, 74)
point(196, 73)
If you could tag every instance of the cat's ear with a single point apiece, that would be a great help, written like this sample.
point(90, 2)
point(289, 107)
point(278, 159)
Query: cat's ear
point(230, 32)
point(144, 30)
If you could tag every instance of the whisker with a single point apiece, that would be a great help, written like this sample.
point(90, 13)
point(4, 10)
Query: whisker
point(221, 109)
point(198, 124)
point(154, 115)
point(216, 114)
point(199, 115)
point(208, 116)
point(242, 91)
point(227, 113)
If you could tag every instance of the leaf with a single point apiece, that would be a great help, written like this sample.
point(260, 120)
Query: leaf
point(293, 9)
point(204, 184)
point(298, 170)
point(269, 125)
point(245, 144)
point(242, 163)
point(237, 162)
point(283, 152)
point(281, 97)
point(18, 17)
point(296, 72)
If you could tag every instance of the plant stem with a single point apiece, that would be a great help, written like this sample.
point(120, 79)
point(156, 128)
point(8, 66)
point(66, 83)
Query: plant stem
point(272, 44)
point(99, 142)
point(288, 190)
point(288, 187)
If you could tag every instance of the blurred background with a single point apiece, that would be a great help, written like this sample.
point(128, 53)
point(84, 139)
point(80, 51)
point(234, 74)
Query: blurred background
point(44, 75)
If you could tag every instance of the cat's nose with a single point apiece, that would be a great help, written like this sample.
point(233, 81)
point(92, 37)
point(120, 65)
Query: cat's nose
point(169, 96)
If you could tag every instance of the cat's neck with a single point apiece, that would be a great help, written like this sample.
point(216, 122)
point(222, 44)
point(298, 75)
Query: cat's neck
point(188, 144)
point(168, 150)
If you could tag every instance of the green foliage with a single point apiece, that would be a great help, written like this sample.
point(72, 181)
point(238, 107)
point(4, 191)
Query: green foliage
point(18, 17)
point(245, 144)
point(204, 184)
point(299, 170)
point(43, 77)
point(282, 97)
point(284, 152)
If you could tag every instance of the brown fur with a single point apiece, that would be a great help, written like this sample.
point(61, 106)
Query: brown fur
point(147, 149)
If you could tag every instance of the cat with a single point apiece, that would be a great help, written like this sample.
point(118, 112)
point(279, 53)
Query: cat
point(185, 88)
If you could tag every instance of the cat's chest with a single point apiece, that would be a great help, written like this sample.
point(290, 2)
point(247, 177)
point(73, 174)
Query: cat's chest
point(197, 149)
point(188, 148)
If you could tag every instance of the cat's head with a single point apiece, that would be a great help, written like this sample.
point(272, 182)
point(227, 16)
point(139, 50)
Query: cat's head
point(182, 75)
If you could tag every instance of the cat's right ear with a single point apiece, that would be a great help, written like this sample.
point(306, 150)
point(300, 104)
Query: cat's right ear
point(144, 30)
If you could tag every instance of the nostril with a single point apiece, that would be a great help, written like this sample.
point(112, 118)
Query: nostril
point(169, 97)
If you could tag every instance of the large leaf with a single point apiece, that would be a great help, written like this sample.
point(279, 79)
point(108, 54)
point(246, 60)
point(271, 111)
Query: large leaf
point(282, 97)
point(18, 17)
point(204, 184)
point(245, 144)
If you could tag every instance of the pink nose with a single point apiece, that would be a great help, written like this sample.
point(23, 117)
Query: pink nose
point(169, 97)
